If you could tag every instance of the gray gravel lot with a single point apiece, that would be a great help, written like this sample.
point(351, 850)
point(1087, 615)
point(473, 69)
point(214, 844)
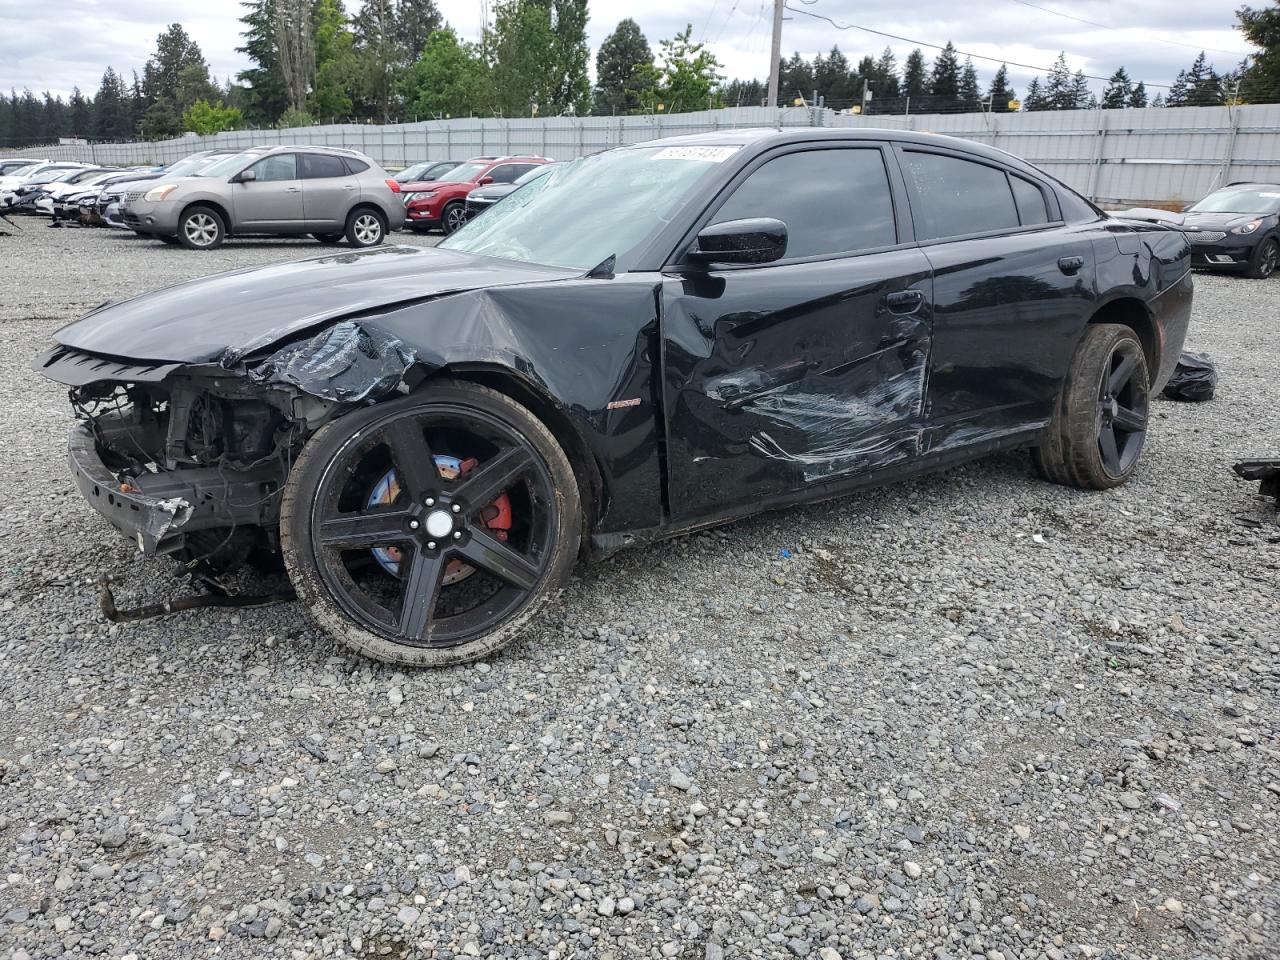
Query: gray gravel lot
point(970, 716)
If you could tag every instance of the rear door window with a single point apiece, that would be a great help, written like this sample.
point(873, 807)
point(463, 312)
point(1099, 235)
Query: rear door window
point(833, 201)
point(1030, 201)
point(356, 166)
point(952, 197)
point(319, 166)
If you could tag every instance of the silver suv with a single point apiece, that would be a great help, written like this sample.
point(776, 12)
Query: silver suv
point(324, 191)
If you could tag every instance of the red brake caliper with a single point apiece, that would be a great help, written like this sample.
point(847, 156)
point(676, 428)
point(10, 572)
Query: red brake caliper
point(496, 517)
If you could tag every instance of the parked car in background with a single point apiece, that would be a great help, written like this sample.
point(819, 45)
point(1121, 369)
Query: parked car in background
point(25, 172)
point(652, 340)
point(482, 198)
point(425, 171)
point(327, 192)
point(1235, 228)
point(24, 184)
point(10, 164)
point(106, 209)
point(442, 203)
point(74, 181)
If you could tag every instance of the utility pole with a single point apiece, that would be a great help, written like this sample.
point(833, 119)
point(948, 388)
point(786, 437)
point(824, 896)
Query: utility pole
point(777, 52)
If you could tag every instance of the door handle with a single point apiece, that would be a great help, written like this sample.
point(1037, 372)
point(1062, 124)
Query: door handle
point(291, 189)
point(348, 186)
point(903, 302)
point(1070, 265)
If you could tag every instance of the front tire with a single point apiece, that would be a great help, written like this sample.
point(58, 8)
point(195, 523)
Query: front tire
point(1265, 259)
point(1100, 422)
point(365, 228)
point(429, 530)
point(452, 217)
point(200, 228)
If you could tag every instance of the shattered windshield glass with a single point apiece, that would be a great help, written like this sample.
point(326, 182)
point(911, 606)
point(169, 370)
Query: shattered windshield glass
point(593, 208)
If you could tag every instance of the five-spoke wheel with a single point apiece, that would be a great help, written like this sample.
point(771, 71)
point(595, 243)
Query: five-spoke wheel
point(430, 529)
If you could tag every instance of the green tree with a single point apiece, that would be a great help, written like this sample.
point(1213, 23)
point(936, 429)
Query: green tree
point(1035, 98)
point(112, 118)
point(263, 83)
point(1138, 98)
point(377, 59)
point(538, 51)
point(337, 70)
point(79, 114)
point(944, 81)
point(1260, 79)
point(415, 21)
point(795, 79)
point(835, 80)
point(174, 77)
point(688, 75)
point(1059, 88)
point(1119, 90)
point(206, 118)
point(970, 95)
point(1000, 93)
point(295, 118)
point(625, 74)
point(915, 83)
point(450, 79)
point(1081, 96)
point(885, 80)
point(744, 93)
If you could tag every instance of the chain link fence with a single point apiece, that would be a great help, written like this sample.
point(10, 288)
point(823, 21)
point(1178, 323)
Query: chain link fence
point(1117, 157)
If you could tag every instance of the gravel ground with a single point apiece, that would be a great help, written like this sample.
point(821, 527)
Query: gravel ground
point(969, 716)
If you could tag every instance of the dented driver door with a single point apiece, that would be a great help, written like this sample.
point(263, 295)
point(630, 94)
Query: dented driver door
point(811, 370)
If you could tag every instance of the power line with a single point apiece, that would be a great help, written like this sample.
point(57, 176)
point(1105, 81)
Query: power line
point(1106, 26)
point(963, 53)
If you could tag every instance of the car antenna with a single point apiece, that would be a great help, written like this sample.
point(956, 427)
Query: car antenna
point(604, 269)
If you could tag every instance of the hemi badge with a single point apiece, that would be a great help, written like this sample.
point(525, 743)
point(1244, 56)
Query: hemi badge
point(623, 404)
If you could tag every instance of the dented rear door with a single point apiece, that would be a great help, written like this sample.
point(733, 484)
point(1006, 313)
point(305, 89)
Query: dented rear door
point(807, 371)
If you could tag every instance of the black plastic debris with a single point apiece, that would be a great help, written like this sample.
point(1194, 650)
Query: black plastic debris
point(1194, 379)
point(347, 363)
point(1266, 472)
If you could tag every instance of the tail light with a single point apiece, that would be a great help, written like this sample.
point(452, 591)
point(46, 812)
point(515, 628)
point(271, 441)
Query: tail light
point(395, 187)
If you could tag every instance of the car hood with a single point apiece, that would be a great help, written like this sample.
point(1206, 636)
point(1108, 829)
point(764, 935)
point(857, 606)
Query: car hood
point(247, 310)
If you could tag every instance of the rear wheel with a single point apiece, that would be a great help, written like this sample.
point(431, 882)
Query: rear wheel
point(452, 217)
point(1100, 422)
point(1265, 259)
point(200, 228)
point(365, 228)
point(429, 530)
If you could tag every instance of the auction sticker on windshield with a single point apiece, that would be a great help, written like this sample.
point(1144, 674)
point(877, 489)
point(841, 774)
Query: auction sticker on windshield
point(709, 154)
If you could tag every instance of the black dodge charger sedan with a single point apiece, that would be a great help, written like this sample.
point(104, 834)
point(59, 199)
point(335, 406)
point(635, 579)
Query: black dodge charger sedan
point(645, 341)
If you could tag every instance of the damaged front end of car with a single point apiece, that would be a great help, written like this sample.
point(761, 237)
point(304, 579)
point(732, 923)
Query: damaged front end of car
point(190, 460)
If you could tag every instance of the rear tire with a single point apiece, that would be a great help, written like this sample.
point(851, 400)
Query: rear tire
point(1099, 424)
point(330, 529)
point(200, 228)
point(1265, 259)
point(365, 227)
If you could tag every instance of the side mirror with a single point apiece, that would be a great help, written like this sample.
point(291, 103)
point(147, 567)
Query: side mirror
point(758, 240)
point(484, 181)
point(245, 176)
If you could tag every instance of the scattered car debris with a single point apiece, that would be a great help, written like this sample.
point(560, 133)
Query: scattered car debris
point(1266, 472)
point(148, 611)
point(1194, 379)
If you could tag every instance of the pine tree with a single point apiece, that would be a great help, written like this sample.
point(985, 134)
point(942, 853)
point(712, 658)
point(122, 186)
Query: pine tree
point(265, 95)
point(914, 82)
point(79, 114)
point(886, 76)
point(112, 118)
point(1000, 93)
point(415, 21)
point(625, 74)
point(1059, 88)
point(174, 78)
point(1035, 98)
point(1082, 97)
point(970, 96)
point(835, 80)
point(944, 82)
point(795, 79)
point(1138, 98)
point(688, 75)
point(1203, 85)
point(1118, 92)
point(1260, 76)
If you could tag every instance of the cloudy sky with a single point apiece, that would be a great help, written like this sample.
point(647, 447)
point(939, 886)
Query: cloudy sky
point(61, 44)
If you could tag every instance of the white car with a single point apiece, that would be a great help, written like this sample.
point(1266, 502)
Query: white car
point(34, 168)
point(10, 164)
point(69, 183)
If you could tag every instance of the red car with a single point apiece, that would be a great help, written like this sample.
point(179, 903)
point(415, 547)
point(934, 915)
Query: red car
point(442, 203)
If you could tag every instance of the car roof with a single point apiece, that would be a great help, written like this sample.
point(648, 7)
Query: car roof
point(1249, 183)
point(767, 138)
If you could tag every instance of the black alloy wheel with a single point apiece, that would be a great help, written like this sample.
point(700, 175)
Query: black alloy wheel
point(1122, 409)
point(454, 217)
point(429, 530)
point(1099, 424)
point(1265, 259)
